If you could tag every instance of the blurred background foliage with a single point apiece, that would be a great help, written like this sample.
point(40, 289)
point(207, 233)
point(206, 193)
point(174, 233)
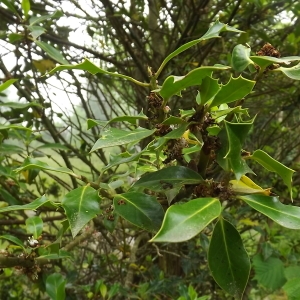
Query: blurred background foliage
point(128, 37)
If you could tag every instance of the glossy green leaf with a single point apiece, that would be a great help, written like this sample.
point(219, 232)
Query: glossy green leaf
point(111, 223)
point(34, 226)
point(175, 84)
point(176, 133)
point(269, 273)
point(53, 146)
point(184, 221)
point(139, 209)
point(265, 61)
point(25, 4)
point(123, 158)
point(32, 163)
point(15, 37)
point(168, 177)
point(62, 230)
point(273, 165)
point(11, 7)
point(93, 69)
point(36, 20)
point(286, 215)
point(212, 32)
point(13, 239)
point(240, 58)
point(60, 255)
point(235, 89)
point(116, 137)
point(81, 205)
point(17, 105)
point(224, 112)
point(236, 135)
point(6, 84)
point(213, 130)
point(14, 126)
point(10, 149)
point(55, 286)
point(9, 199)
point(130, 119)
point(36, 31)
point(52, 52)
point(228, 260)
point(209, 88)
point(293, 72)
point(92, 123)
point(186, 113)
point(30, 206)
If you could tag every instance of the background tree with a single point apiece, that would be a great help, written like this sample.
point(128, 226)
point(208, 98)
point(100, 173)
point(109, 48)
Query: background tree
point(130, 38)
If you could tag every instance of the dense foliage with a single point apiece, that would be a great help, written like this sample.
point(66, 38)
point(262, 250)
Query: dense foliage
point(129, 155)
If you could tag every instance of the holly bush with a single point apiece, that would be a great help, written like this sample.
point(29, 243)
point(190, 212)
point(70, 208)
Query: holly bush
point(184, 174)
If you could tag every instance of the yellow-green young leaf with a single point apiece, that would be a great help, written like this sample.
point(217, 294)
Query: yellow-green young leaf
point(184, 221)
point(140, 209)
point(286, 215)
point(81, 205)
point(55, 286)
point(168, 178)
point(228, 260)
point(44, 65)
point(34, 226)
point(13, 239)
point(6, 84)
point(246, 186)
point(235, 89)
point(25, 4)
point(117, 137)
point(240, 58)
point(273, 165)
point(103, 290)
point(30, 206)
